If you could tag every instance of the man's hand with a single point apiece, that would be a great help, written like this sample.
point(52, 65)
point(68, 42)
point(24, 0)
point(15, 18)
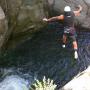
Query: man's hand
point(77, 12)
point(45, 19)
point(80, 8)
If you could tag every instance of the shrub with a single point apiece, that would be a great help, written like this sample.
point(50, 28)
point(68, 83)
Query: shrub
point(45, 84)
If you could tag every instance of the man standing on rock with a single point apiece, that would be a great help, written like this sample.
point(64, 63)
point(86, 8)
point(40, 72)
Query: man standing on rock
point(69, 29)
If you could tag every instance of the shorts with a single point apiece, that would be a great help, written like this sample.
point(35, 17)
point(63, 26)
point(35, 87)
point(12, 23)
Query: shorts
point(70, 32)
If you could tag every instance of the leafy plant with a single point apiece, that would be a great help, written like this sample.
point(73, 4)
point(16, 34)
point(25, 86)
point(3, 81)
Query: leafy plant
point(45, 84)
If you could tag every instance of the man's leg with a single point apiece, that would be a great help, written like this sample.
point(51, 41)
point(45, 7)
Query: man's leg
point(64, 40)
point(75, 47)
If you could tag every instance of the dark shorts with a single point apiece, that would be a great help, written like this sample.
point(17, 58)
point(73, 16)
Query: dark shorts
point(70, 32)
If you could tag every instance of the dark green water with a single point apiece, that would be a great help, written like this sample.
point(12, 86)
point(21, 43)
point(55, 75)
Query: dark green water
point(44, 56)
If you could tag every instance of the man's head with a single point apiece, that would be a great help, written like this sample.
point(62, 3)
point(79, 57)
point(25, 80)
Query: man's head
point(67, 9)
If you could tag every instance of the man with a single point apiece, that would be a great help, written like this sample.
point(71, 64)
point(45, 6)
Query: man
point(69, 29)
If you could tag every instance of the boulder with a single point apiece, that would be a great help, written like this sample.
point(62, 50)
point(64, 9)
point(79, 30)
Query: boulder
point(80, 82)
point(24, 18)
point(3, 27)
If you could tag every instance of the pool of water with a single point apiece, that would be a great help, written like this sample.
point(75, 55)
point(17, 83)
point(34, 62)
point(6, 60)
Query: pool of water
point(44, 56)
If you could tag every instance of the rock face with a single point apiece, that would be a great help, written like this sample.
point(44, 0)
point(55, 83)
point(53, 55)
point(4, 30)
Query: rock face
point(3, 27)
point(25, 17)
point(80, 82)
point(84, 19)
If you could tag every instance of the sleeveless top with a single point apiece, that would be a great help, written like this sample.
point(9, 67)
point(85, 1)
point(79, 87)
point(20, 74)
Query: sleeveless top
point(69, 19)
point(69, 22)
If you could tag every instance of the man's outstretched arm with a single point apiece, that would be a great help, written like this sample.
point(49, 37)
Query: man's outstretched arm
point(61, 17)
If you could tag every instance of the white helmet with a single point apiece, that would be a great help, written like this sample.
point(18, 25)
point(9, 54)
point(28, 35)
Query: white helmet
point(67, 9)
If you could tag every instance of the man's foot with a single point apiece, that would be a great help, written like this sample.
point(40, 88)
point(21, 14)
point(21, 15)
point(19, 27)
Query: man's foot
point(63, 46)
point(75, 55)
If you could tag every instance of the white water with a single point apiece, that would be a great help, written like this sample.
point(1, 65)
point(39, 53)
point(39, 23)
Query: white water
point(13, 82)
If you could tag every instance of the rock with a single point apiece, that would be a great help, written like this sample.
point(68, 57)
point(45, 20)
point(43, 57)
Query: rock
point(2, 15)
point(24, 18)
point(3, 27)
point(80, 82)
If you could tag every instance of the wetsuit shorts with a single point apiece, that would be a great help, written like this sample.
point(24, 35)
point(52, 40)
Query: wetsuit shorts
point(70, 32)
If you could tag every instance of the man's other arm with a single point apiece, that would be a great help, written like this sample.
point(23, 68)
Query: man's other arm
point(77, 13)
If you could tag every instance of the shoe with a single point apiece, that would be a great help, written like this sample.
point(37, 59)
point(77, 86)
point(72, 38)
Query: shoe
point(75, 55)
point(63, 46)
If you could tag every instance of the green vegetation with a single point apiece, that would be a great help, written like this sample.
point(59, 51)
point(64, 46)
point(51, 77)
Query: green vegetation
point(45, 84)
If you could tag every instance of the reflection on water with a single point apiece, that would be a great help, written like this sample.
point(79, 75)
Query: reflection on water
point(44, 56)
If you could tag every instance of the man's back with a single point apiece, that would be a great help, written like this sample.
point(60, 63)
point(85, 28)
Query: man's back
point(69, 19)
